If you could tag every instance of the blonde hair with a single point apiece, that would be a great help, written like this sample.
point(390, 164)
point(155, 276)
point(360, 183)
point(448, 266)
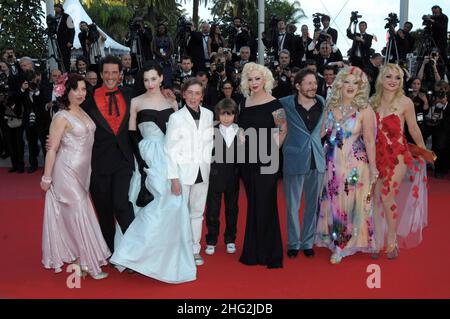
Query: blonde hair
point(361, 99)
point(375, 101)
point(265, 72)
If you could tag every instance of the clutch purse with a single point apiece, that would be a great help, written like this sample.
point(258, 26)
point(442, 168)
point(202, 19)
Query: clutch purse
point(144, 196)
point(427, 155)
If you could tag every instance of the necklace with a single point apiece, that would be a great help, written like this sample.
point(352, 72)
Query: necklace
point(345, 109)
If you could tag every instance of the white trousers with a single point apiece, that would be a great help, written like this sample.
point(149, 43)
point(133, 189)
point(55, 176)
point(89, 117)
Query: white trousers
point(194, 197)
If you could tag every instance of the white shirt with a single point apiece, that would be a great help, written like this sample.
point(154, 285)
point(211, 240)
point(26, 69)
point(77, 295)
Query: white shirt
point(228, 133)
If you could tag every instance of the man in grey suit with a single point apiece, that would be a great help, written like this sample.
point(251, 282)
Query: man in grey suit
point(304, 161)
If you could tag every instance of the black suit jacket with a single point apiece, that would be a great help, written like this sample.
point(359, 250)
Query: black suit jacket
point(364, 47)
point(288, 44)
point(195, 51)
point(224, 176)
point(110, 152)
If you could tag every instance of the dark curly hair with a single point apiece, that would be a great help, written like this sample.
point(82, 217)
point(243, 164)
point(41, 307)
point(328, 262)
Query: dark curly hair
point(71, 84)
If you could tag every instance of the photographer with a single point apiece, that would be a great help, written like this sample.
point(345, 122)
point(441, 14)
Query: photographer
point(162, 48)
point(421, 106)
point(283, 40)
point(4, 89)
point(195, 48)
point(327, 57)
point(439, 27)
point(362, 42)
point(96, 46)
point(65, 34)
point(9, 57)
point(82, 37)
point(405, 42)
point(238, 36)
point(438, 126)
point(302, 52)
point(139, 40)
point(35, 120)
point(327, 29)
point(431, 71)
point(282, 75)
point(13, 130)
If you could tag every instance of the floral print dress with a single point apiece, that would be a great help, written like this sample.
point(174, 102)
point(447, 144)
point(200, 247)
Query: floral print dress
point(345, 221)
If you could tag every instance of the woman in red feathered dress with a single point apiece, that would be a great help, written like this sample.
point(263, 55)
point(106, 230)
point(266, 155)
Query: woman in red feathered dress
point(401, 192)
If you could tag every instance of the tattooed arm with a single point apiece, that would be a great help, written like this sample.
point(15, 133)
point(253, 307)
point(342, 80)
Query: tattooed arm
point(279, 117)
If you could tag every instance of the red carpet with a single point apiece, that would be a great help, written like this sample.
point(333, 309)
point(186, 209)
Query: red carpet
point(422, 272)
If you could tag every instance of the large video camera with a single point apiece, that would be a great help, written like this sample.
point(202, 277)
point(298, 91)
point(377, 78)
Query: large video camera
point(317, 20)
point(135, 24)
point(354, 17)
point(52, 25)
point(426, 20)
point(93, 34)
point(392, 21)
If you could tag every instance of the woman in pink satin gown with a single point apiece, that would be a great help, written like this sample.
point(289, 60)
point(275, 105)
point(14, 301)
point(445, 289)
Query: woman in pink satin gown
point(71, 233)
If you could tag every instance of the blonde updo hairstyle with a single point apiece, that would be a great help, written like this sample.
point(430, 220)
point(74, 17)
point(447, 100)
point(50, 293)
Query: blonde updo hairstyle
point(265, 73)
point(361, 99)
point(375, 101)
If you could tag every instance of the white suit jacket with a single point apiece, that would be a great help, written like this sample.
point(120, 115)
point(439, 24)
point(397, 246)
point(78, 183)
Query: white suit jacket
point(189, 148)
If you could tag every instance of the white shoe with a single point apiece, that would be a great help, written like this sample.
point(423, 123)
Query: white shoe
point(210, 249)
point(231, 248)
point(198, 260)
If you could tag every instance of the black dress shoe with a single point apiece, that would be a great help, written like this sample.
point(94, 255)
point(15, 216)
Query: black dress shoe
point(308, 253)
point(292, 253)
point(32, 169)
point(12, 170)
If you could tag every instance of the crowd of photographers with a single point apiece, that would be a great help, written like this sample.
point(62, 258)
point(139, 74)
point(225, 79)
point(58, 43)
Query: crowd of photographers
point(216, 55)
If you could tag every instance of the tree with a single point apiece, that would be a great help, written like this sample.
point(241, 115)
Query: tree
point(22, 27)
point(114, 16)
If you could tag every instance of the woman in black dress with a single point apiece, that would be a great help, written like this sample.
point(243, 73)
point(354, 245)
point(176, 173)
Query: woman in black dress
point(263, 119)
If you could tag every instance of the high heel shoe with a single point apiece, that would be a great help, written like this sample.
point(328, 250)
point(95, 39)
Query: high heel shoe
point(99, 276)
point(392, 253)
point(336, 258)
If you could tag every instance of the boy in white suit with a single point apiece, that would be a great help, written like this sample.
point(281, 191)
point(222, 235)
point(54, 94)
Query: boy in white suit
point(189, 142)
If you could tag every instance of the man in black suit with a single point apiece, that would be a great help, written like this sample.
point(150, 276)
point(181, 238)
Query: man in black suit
point(283, 40)
point(65, 33)
point(326, 28)
point(362, 42)
point(112, 153)
point(195, 50)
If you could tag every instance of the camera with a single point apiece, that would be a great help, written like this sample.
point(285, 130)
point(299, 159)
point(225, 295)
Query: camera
point(355, 16)
point(52, 25)
point(135, 24)
point(392, 21)
point(220, 67)
point(316, 20)
point(92, 34)
point(440, 94)
point(426, 20)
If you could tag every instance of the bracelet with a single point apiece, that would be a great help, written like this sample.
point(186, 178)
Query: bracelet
point(46, 179)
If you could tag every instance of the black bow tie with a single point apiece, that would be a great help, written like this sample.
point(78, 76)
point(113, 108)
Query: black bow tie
point(281, 34)
point(113, 99)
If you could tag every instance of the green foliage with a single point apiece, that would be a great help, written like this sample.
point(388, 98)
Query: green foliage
point(22, 27)
point(114, 16)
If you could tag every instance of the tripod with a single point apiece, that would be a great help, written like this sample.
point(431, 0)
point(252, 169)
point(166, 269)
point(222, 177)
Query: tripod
point(392, 44)
point(136, 48)
point(426, 44)
point(95, 51)
point(55, 52)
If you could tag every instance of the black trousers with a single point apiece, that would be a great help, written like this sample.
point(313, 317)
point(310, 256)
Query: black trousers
point(32, 135)
point(213, 203)
point(14, 138)
point(109, 194)
point(440, 145)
